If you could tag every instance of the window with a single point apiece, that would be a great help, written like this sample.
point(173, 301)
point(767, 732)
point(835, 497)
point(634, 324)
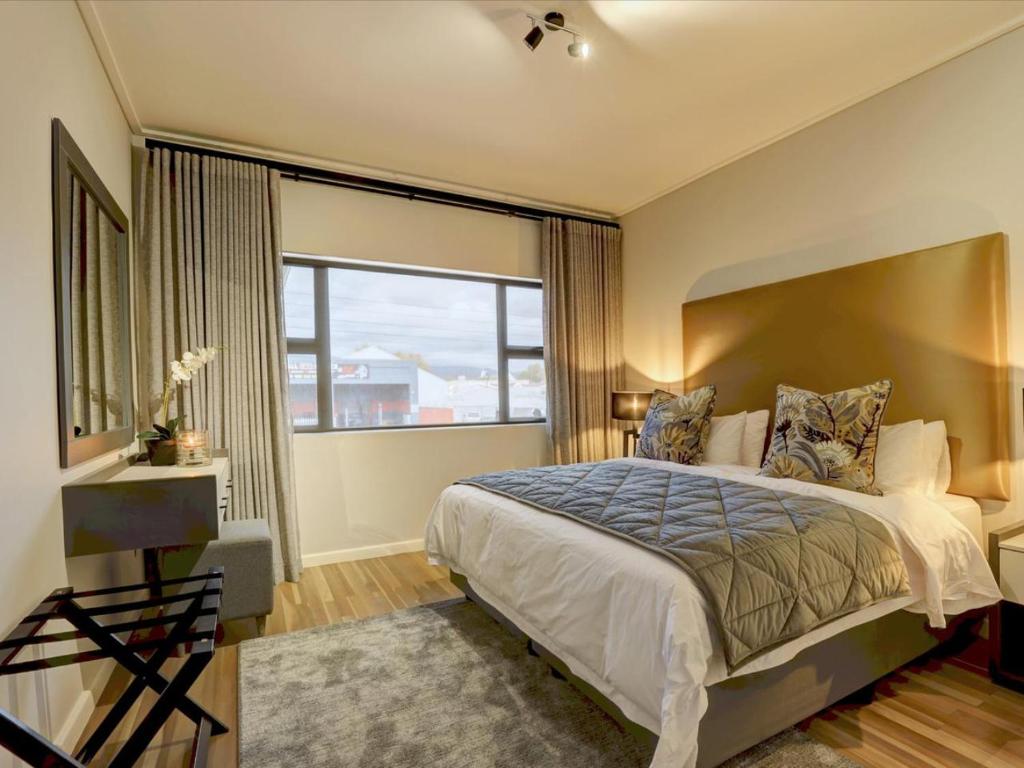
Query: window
point(374, 347)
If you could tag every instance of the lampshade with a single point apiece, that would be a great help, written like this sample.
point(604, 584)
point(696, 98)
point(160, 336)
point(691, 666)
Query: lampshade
point(630, 406)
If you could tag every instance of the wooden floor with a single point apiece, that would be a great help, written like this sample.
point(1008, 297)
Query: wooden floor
point(325, 594)
point(939, 713)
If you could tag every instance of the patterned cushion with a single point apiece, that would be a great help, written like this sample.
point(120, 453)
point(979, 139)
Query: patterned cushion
point(677, 426)
point(828, 439)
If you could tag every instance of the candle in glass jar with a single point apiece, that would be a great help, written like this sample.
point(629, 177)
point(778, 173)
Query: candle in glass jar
point(194, 448)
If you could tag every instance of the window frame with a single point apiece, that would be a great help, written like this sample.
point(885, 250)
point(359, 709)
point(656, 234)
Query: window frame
point(319, 345)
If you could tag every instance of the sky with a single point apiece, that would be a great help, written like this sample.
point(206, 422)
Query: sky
point(448, 322)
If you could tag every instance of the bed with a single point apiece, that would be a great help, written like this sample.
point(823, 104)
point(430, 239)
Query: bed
point(968, 513)
point(633, 630)
point(633, 627)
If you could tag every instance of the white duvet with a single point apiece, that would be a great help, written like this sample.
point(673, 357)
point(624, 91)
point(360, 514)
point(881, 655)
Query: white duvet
point(634, 625)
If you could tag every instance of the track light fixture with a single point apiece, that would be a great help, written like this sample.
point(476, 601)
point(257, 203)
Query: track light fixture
point(579, 48)
point(533, 38)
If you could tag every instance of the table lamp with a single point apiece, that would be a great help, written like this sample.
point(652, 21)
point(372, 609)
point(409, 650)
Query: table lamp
point(632, 407)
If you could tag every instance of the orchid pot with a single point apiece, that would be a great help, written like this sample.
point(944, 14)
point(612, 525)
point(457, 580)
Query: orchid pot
point(162, 453)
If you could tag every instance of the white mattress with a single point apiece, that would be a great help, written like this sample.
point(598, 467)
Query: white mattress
point(633, 625)
point(967, 511)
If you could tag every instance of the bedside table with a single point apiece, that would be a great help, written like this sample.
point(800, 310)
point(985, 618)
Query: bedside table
point(1006, 620)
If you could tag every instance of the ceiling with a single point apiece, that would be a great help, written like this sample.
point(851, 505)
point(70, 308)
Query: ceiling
point(447, 91)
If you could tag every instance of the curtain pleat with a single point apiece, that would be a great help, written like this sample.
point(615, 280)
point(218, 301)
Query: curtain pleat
point(97, 404)
point(582, 269)
point(79, 409)
point(209, 274)
point(93, 332)
point(108, 346)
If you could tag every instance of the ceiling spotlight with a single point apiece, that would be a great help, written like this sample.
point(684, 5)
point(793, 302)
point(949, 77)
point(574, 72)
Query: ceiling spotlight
point(555, 22)
point(533, 38)
point(579, 49)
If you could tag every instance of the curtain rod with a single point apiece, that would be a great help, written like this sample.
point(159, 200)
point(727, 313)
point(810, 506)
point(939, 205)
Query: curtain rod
point(297, 172)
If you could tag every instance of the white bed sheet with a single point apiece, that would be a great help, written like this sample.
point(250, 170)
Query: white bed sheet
point(967, 511)
point(635, 626)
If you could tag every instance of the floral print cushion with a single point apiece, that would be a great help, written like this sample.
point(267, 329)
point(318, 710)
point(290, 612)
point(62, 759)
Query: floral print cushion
point(828, 439)
point(677, 426)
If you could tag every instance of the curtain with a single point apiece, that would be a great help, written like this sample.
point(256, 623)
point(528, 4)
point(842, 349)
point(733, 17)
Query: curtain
point(96, 334)
point(209, 273)
point(582, 268)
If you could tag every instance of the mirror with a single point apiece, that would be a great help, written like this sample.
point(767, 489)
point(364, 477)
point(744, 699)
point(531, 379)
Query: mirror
point(90, 243)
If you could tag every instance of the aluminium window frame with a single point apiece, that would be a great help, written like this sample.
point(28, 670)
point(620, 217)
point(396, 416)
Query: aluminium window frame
point(320, 344)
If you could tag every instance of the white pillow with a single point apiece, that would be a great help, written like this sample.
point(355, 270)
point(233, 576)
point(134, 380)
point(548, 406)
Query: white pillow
point(725, 440)
point(936, 458)
point(754, 439)
point(900, 465)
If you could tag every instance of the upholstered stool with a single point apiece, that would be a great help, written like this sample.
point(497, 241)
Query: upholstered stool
point(245, 552)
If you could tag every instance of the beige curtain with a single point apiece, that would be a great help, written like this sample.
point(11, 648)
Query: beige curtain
point(209, 273)
point(96, 334)
point(582, 269)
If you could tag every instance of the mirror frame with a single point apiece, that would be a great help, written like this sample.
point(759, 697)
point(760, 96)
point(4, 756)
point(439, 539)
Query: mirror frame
point(68, 159)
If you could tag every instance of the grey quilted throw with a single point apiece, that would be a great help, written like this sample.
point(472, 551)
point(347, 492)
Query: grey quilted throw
point(772, 565)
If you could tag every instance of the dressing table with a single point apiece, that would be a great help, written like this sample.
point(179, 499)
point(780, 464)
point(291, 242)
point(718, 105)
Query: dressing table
point(132, 505)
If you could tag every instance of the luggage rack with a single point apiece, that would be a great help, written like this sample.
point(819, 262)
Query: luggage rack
point(190, 631)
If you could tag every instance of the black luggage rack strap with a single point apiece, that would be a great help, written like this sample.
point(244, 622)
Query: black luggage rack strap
point(192, 629)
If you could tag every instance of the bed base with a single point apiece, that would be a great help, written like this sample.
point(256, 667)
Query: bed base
point(746, 710)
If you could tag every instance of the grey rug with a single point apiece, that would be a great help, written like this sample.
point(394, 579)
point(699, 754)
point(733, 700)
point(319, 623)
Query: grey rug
point(442, 685)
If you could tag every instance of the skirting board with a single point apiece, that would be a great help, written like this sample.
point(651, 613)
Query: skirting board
point(74, 725)
point(73, 728)
point(362, 553)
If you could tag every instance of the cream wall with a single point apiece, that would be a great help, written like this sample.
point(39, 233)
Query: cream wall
point(937, 159)
point(362, 494)
point(49, 69)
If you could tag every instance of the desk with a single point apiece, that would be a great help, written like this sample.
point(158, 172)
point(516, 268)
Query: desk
point(129, 505)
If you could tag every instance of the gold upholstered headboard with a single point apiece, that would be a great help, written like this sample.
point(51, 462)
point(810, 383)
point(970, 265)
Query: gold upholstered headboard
point(934, 321)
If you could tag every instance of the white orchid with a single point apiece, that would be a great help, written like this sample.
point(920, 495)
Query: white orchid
point(181, 372)
point(192, 361)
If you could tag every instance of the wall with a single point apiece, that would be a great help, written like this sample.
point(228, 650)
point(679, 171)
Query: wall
point(936, 159)
point(49, 69)
point(362, 494)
